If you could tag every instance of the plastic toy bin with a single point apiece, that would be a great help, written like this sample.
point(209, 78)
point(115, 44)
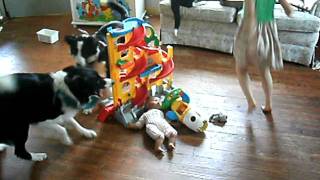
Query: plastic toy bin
point(48, 36)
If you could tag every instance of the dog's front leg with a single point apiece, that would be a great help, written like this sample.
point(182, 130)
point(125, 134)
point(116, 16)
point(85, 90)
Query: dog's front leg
point(88, 133)
point(54, 130)
point(20, 149)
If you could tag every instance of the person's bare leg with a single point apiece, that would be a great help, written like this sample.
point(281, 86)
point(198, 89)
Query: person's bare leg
point(266, 80)
point(244, 79)
point(158, 145)
point(172, 142)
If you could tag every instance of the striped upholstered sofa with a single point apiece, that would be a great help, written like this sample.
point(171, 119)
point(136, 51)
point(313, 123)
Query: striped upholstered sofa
point(213, 26)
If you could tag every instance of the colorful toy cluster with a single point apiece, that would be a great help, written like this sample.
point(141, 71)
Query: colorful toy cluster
point(140, 68)
point(97, 10)
point(177, 105)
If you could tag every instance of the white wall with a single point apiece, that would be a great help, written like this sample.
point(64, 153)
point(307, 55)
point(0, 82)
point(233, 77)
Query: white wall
point(152, 7)
point(21, 8)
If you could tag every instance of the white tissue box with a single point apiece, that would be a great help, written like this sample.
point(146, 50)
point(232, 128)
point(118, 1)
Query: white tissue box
point(48, 36)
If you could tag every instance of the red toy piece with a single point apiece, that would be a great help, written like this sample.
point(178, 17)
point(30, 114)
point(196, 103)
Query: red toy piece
point(141, 96)
point(106, 112)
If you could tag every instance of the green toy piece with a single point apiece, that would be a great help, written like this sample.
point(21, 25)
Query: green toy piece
point(264, 9)
point(121, 62)
point(153, 37)
point(172, 96)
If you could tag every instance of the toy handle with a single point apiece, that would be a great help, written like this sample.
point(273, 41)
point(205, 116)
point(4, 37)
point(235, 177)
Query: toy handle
point(128, 26)
point(153, 36)
point(172, 96)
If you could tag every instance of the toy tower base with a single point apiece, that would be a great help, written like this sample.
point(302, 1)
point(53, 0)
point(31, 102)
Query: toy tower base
point(127, 114)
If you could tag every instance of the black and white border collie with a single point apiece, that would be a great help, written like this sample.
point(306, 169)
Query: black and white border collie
point(88, 49)
point(47, 99)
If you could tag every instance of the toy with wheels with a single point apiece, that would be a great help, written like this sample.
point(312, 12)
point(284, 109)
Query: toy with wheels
point(137, 65)
point(172, 96)
point(177, 102)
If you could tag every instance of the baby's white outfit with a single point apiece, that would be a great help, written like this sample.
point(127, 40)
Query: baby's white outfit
point(156, 125)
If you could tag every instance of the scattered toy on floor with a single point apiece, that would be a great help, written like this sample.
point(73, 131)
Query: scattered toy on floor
point(157, 126)
point(218, 119)
point(177, 105)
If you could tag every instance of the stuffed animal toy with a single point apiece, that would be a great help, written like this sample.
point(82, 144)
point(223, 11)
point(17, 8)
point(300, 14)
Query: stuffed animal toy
point(157, 126)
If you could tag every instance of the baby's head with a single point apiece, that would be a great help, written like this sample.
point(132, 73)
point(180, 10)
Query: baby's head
point(153, 103)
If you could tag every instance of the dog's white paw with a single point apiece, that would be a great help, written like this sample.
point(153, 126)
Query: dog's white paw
point(88, 133)
point(3, 147)
point(67, 141)
point(38, 156)
point(87, 111)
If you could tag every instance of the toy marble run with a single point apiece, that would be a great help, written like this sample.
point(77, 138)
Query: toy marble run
point(136, 66)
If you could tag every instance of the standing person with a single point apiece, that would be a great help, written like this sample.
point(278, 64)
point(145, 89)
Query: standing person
point(257, 43)
point(175, 7)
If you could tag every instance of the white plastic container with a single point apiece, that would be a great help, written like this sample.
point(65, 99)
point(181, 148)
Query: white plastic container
point(48, 36)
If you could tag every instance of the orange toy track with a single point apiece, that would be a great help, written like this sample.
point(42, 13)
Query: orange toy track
point(167, 69)
point(150, 50)
point(137, 39)
point(140, 66)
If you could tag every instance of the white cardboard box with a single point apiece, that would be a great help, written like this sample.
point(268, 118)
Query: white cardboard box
point(48, 35)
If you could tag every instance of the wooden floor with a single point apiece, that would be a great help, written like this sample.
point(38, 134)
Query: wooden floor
point(284, 145)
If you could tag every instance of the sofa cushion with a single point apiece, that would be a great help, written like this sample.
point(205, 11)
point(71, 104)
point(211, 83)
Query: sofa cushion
point(219, 42)
point(209, 11)
point(298, 38)
point(200, 27)
point(211, 35)
point(299, 22)
point(298, 54)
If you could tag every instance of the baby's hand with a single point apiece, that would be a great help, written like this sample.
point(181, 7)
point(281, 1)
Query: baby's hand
point(130, 125)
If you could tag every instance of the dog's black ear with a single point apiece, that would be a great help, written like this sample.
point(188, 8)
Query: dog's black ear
point(70, 39)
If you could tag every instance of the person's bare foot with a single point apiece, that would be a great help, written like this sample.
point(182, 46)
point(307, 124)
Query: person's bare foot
point(171, 146)
point(266, 109)
point(251, 106)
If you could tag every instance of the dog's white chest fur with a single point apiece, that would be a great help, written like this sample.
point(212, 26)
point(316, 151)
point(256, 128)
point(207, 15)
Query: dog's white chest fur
point(56, 128)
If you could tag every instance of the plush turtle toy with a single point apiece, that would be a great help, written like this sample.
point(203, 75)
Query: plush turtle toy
point(218, 119)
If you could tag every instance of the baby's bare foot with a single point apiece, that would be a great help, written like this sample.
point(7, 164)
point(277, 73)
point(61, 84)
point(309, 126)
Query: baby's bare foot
point(159, 150)
point(171, 146)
